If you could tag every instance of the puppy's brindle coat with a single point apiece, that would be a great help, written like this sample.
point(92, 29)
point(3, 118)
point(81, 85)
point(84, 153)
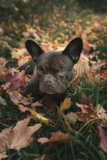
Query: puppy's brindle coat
point(51, 69)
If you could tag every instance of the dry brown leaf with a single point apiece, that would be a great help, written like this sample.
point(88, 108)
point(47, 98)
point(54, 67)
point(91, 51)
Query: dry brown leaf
point(48, 103)
point(35, 104)
point(82, 117)
point(17, 80)
point(19, 136)
point(83, 108)
point(104, 74)
point(101, 112)
point(56, 136)
point(22, 108)
point(22, 61)
point(16, 97)
point(3, 155)
point(86, 45)
point(102, 136)
point(84, 36)
point(66, 104)
point(87, 30)
point(83, 65)
point(97, 65)
point(70, 117)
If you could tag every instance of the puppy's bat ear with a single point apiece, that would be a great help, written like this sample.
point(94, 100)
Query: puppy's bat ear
point(74, 49)
point(34, 49)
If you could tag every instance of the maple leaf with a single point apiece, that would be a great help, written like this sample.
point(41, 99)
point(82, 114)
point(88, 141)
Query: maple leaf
point(19, 136)
point(17, 80)
point(56, 136)
point(102, 136)
point(17, 52)
point(16, 97)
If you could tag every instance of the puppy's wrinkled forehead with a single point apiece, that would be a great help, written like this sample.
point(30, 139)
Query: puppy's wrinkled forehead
point(53, 60)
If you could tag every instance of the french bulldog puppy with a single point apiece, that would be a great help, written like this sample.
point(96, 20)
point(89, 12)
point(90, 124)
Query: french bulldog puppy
point(51, 69)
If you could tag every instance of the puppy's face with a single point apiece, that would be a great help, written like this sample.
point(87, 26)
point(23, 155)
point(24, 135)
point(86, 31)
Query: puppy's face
point(54, 68)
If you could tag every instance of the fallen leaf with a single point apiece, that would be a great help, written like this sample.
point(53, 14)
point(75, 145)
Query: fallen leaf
point(3, 155)
point(33, 105)
point(82, 117)
point(97, 65)
point(102, 136)
point(70, 117)
point(104, 74)
point(18, 80)
point(86, 45)
point(39, 117)
point(56, 136)
point(16, 97)
point(25, 34)
point(87, 30)
point(22, 61)
point(17, 52)
point(83, 108)
point(48, 103)
point(101, 112)
point(65, 104)
point(22, 108)
point(19, 136)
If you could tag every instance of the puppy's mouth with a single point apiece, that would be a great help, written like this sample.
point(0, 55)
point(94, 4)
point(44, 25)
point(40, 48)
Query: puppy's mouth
point(50, 92)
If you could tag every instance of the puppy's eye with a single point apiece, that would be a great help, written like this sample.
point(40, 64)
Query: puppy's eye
point(40, 71)
point(61, 71)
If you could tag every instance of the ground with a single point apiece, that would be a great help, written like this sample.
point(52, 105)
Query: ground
point(81, 119)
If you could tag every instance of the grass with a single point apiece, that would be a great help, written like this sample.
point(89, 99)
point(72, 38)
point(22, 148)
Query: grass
point(51, 18)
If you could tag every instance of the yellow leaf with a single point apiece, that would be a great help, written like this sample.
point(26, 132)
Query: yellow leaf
point(72, 26)
point(38, 28)
point(96, 24)
point(39, 117)
point(92, 62)
point(56, 41)
point(62, 22)
point(66, 104)
point(54, 17)
point(16, 9)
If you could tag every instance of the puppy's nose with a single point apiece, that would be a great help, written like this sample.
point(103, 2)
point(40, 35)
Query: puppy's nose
point(48, 81)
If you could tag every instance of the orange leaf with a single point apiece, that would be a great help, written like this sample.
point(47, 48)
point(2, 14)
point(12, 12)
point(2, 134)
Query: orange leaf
point(56, 136)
